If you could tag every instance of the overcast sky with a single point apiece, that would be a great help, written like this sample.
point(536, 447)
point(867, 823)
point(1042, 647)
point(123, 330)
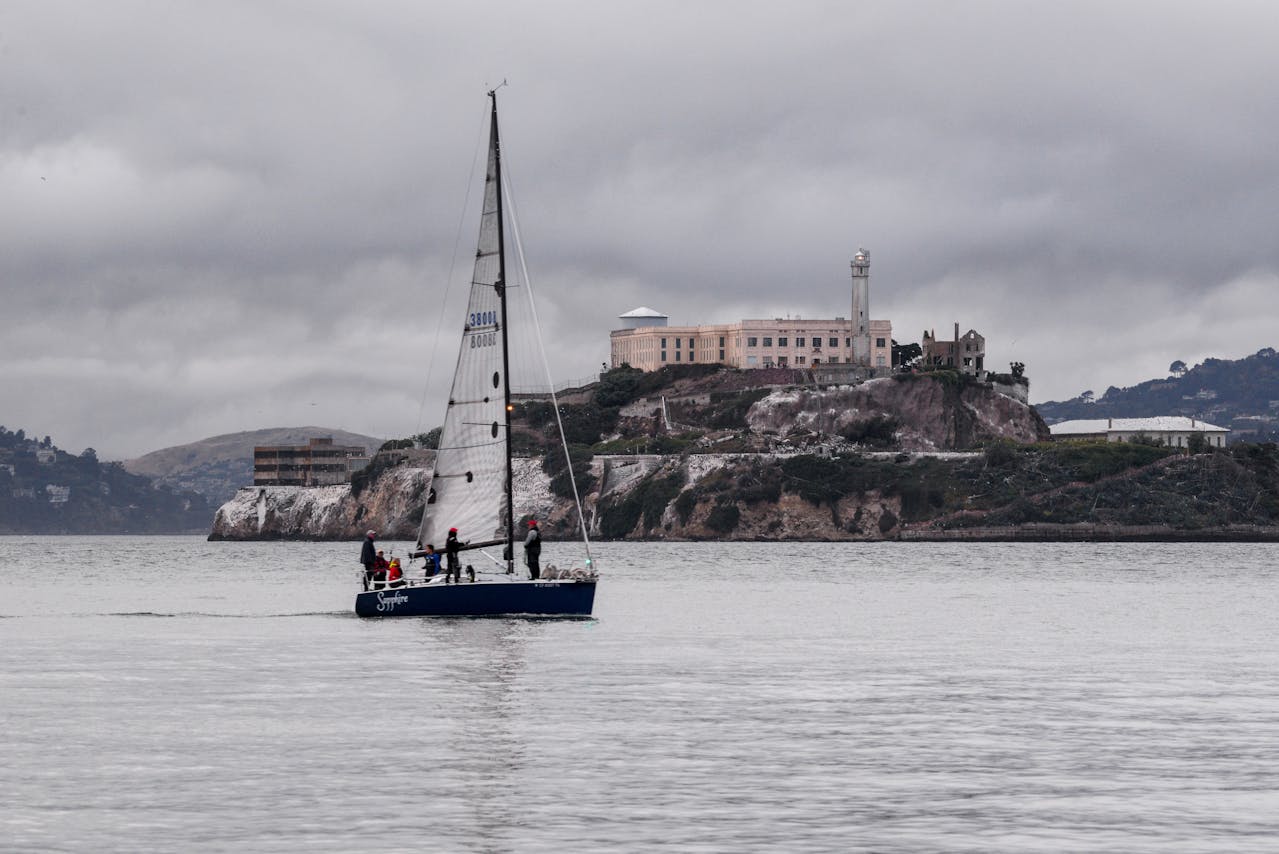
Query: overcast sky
point(224, 216)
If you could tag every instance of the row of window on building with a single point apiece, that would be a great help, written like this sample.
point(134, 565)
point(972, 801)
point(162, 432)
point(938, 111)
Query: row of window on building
point(782, 341)
point(317, 463)
point(749, 343)
point(753, 341)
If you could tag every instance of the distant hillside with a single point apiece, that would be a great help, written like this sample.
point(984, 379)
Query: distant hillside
point(216, 467)
point(45, 490)
point(1241, 394)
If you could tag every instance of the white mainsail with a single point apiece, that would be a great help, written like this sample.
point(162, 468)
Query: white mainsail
point(468, 486)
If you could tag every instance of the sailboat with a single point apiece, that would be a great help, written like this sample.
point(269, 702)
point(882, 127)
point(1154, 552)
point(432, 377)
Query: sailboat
point(471, 487)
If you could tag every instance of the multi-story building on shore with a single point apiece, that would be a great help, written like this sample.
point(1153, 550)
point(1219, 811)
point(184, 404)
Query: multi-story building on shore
point(317, 463)
point(648, 343)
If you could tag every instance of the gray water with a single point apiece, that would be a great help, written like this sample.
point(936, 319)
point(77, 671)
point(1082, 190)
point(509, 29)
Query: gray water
point(170, 694)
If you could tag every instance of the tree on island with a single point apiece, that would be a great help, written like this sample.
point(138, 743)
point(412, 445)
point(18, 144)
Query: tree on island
point(906, 354)
point(1177, 368)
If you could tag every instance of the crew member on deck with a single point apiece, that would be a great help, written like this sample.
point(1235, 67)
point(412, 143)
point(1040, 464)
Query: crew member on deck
point(394, 575)
point(368, 555)
point(453, 566)
point(380, 566)
point(432, 557)
point(533, 550)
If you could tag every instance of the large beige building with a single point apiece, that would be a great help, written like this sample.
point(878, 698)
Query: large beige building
point(780, 342)
point(648, 343)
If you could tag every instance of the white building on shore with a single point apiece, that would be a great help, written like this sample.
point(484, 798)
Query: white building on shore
point(1173, 430)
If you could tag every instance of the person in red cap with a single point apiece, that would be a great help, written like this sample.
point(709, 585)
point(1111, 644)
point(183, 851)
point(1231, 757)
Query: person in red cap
point(453, 567)
point(533, 550)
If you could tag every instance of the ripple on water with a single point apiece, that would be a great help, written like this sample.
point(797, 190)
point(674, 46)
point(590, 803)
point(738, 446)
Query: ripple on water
point(165, 692)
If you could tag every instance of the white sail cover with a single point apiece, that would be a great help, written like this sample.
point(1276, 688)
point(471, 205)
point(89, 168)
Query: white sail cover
point(468, 486)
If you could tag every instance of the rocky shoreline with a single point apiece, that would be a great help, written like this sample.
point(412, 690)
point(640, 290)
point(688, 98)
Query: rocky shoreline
point(936, 457)
point(1039, 533)
point(763, 498)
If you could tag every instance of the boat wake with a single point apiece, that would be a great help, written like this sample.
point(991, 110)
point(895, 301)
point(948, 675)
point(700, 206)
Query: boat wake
point(180, 614)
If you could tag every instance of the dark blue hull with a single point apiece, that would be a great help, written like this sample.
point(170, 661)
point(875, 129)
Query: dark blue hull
point(481, 599)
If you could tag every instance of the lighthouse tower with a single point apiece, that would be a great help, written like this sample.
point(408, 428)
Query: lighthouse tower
point(861, 308)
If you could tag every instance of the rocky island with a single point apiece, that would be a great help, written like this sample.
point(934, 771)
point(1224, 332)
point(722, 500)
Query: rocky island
point(717, 454)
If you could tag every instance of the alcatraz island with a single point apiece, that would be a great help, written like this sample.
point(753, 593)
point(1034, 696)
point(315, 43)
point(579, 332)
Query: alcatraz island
point(827, 429)
point(774, 429)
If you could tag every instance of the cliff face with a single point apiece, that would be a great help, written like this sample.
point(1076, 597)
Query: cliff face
point(931, 415)
point(701, 496)
point(1110, 489)
point(391, 505)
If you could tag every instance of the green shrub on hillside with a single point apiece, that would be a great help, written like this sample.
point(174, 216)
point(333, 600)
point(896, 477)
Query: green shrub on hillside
point(617, 387)
point(723, 518)
point(561, 484)
point(759, 482)
point(1092, 460)
point(819, 480)
point(648, 500)
point(924, 487)
point(655, 381)
point(999, 454)
point(620, 386)
point(644, 445)
point(363, 479)
point(584, 423)
point(685, 504)
point(535, 413)
point(728, 410)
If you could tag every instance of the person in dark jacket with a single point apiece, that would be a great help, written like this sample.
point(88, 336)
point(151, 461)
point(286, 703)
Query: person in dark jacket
point(368, 557)
point(533, 550)
point(453, 567)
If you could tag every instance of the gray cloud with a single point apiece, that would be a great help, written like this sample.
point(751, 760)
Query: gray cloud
point(226, 216)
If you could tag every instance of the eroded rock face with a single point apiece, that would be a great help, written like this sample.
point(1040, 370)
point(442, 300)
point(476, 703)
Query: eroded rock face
point(392, 506)
point(932, 415)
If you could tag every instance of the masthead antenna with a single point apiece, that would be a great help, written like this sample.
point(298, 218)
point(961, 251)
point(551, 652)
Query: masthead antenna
point(493, 91)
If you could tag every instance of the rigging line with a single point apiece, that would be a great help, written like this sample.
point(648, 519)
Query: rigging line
point(448, 282)
point(546, 367)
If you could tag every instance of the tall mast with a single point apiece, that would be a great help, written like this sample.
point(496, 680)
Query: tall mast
point(500, 288)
